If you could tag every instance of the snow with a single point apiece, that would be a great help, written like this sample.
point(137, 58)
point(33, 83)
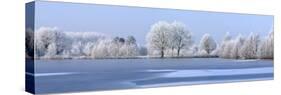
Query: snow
point(214, 72)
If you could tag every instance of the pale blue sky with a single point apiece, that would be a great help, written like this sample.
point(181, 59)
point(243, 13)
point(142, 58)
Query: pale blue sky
point(123, 21)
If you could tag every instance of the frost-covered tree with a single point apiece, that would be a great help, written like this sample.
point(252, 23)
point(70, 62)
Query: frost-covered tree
point(166, 37)
point(81, 43)
point(29, 43)
point(237, 44)
point(142, 50)
point(115, 48)
point(228, 48)
point(158, 37)
point(84, 37)
point(61, 42)
point(51, 51)
point(194, 49)
point(44, 36)
point(202, 53)
point(52, 43)
point(131, 40)
point(128, 50)
point(76, 49)
point(131, 47)
point(179, 37)
point(119, 40)
point(101, 49)
point(250, 47)
point(87, 50)
point(207, 43)
point(223, 51)
point(266, 49)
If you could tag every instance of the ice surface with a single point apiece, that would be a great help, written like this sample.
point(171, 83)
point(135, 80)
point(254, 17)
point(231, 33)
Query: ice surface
point(214, 72)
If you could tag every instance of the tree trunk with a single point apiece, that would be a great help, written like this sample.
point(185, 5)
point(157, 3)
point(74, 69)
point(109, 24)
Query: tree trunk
point(172, 51)
point(162, 53)
point(208, 51)
point(178, 52)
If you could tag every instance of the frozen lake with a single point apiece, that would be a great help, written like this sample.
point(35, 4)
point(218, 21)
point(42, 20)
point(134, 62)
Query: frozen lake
point(71, 75)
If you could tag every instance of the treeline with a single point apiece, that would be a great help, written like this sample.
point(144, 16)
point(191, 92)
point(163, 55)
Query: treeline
point(116, 48)
point(165, 39)
point(51, 43)
point(252, 47)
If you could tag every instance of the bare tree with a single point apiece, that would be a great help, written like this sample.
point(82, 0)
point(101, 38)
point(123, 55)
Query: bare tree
point(266, 48)
point(158, 37)
point(249, 48)
point(238, 43)
point(180, 37)
point(131, 40)
point(207, 43)
point(29, 43)
point(223, 51)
